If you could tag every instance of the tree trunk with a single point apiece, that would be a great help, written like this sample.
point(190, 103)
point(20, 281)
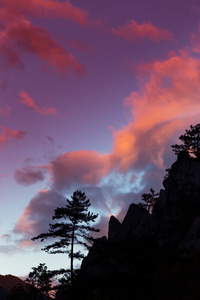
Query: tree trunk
point(72, 255)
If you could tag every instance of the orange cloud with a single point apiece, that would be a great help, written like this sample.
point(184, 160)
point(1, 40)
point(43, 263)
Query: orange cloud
point(46, 8)
point(170, 90)
point(167, 102)
point(25, 99)
point(135, 32)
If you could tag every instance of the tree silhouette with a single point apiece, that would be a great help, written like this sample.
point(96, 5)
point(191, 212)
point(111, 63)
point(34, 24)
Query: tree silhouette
point(149, 199)
point(191, 142)
point(40, 278)
point(74, 229)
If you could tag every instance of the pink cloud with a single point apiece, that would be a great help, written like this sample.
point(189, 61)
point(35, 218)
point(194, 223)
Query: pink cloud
point(79, 167)
point(26, 244)
point(23, 36)
point(135, 32)
point(46, 8)
point(25, 99)
point(18, 35)
point(8, 134)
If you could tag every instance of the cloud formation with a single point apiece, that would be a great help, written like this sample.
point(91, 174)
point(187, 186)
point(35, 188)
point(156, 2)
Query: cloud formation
point(46, 8)
point(22, 36)
point(25, 99)
point(78, 167)
point(37, 215)
point(18, 35)
point(134, 32)
point(166, 104)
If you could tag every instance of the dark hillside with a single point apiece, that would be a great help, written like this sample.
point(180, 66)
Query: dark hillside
point(150, 256)
point(9, 281)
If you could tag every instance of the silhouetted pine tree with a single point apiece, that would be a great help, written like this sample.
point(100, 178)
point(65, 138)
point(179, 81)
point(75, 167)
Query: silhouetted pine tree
point(74, 229)
point(191, 142)
point(149, 199)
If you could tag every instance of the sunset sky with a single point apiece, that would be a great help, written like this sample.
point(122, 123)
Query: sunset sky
point(92, 95)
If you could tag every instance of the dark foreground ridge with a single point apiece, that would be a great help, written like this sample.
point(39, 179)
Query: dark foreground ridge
point(7, 282)
point(147, 256)
point(150, 256)
point(13, 288)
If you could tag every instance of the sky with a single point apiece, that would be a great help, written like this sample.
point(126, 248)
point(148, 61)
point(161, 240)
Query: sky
point(93, 94)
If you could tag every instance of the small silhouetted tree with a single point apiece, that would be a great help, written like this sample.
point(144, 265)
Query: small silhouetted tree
point(149, 200)
point(190, 142)
point(74, 229)
point(40, 278)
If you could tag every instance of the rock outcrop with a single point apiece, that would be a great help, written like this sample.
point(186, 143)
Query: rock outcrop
point(113, 229)
point(145, 247)
point(136, 224)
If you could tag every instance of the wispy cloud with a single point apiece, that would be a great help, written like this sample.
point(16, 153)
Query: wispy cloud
point(28, 176)
point(22, 36)
point(8, 134)
point(8, 249)
point(18, 35)
point(25, 99)
point(135, 32)
point(11, 246)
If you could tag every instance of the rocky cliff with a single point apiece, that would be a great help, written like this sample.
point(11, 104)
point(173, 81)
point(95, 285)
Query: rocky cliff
point(151, 256)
